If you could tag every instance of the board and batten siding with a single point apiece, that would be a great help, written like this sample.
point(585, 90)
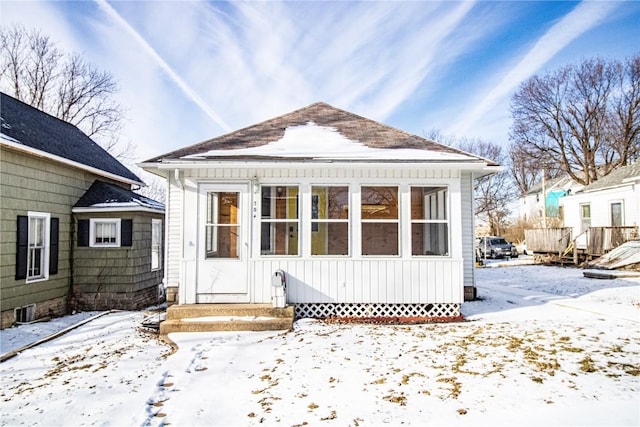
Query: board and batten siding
point(391, 281)
point(316, 279)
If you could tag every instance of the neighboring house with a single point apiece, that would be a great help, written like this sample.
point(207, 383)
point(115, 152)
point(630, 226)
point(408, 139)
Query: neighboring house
point(612, 201)
point(533, 203)
point(73, 234)
point(363, 219)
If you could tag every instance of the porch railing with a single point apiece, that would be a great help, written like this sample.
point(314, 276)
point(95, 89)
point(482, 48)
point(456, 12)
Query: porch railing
point(602, 239)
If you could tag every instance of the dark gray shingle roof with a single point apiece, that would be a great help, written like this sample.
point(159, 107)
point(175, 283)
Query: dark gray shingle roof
point(104, 195)
point(28, 126)
point(615, 178)
point(357, 128)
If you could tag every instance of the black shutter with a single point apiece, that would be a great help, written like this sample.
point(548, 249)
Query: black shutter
point(83, 232)
point(22, 245)
point(126, 232)
point(53, 245)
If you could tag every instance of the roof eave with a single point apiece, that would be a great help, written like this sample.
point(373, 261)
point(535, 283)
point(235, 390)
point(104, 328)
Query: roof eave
point(117, 209)
point(166, 164)
point(44, 154)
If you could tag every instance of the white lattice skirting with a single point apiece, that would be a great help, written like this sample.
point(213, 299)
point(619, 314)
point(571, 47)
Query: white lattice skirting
point(377, 311)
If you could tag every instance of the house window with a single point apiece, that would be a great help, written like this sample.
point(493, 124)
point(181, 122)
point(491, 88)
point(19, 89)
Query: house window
point(330, 220)
point(38, 248)
point(379, 216)
point(104, 232)
point(156, 244)
point(585, 217)
point(616, 214)
point(279, 221)
point(429, 221)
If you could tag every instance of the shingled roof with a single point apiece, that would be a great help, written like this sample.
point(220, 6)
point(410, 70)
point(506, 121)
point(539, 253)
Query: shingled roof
point(619, 176)
point(24, 125)
point(351, 126)
point(103, 195)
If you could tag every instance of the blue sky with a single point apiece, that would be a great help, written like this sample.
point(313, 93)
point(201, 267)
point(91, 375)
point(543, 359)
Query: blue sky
point(189, 71)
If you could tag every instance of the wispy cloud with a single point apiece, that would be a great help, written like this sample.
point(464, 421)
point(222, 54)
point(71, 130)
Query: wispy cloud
point(581, 19)
point(184, 87)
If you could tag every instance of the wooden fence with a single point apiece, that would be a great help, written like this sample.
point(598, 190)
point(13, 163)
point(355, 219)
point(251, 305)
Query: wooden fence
point(548, 240)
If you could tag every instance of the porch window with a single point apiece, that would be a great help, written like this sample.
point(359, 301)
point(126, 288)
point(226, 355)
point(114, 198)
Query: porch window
point(221, 227)
point(37, 253)
point(156, 244)
point(104, 232)
point(429, 221)
point(279, 221)
point(330, 220)
point(379, 216)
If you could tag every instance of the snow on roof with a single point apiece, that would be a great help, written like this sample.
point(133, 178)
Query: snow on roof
point(312, 141)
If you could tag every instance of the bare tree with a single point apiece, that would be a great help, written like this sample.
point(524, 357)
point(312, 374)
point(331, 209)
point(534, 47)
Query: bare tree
point(35, 71)
point(584, 119)
point(527, 167)
point(493, 193)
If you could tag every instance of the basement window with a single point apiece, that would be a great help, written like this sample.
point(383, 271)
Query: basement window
point(25, 314)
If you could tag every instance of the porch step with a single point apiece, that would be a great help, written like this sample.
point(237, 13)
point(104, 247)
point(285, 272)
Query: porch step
point(226, 317)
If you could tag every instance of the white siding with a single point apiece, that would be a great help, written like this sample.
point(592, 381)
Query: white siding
point(174, 232)
point(403, 279)
point(468, 243)
point(362, 281)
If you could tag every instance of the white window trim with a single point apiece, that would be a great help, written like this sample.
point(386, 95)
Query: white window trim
point(446, 221)
point(46, 248)
point(159, 244)
point(334, 221)
point(92, 226)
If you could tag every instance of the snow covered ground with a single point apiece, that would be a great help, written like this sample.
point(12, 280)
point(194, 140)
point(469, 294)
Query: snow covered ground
point(543, 346)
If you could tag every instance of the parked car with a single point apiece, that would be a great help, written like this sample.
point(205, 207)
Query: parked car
point(496, 247)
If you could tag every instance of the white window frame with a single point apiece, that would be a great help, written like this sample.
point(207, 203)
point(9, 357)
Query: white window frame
point(44, 247)
point(92, 232)
point(440, 204)
point(347, 220)
point(272, 221)
point(397, 221)
point(156, 246)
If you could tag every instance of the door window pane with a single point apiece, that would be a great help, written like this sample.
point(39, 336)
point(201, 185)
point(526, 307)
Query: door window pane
point(222, 225)
point(279, 220)
point(379, 213)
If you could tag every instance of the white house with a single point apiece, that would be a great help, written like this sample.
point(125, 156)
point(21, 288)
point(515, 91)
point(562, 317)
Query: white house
point(611, 201)
point(362, 219)
point(542, 210)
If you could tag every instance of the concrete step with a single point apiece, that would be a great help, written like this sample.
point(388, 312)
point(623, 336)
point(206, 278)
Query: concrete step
point(183, 311)
point(226, 317)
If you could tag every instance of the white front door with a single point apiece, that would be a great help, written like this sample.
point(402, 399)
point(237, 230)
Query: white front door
point(223, 243)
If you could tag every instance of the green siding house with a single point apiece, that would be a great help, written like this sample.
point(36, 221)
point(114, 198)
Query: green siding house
point(73, 234)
